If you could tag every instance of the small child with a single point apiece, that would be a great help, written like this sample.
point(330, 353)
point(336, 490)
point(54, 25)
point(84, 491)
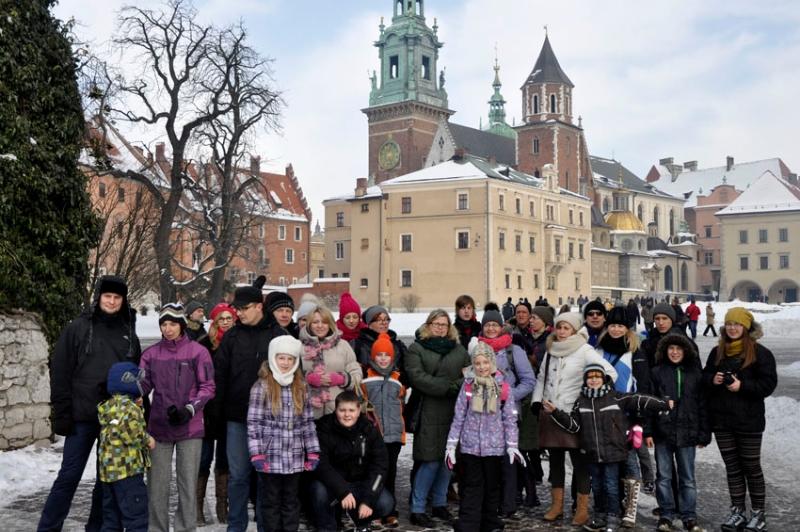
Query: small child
point(123, 451)
point(384, 392)
point(677, 379)
point(485, 426)
point(281, 436)
point(599, 415)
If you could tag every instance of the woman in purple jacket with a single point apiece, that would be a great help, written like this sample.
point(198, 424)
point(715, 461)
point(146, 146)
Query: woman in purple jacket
point(180, 374)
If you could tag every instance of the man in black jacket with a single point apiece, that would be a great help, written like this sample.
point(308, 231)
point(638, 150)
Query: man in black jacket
point(236, 363)
point(98, 338)
point(352, 468)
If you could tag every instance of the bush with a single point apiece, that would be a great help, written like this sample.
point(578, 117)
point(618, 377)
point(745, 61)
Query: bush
point(410, 302)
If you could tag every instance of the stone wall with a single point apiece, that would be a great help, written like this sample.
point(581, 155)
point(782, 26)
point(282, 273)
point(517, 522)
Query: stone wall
point(24, 382)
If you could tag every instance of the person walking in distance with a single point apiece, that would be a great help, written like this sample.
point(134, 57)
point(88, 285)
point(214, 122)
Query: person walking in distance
point(710, 320)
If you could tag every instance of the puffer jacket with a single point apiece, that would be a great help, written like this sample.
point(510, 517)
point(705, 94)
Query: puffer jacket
point(178, 372)
point(686, 425)
point(122, 451)
point(386, 394)
point(483, 433)
point(741, 411)
point(363, 349)
point(603, 423)
point(338, 358)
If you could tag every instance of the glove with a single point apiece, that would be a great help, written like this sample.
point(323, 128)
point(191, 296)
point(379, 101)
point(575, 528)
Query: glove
point(450, 457)
point(312, 461)
point(260, 464)
point(179, 416)
point(514, 454)
point(635, 436)
point(314, 379)
point(536, 408)
point(337, 379)
point(62, 426)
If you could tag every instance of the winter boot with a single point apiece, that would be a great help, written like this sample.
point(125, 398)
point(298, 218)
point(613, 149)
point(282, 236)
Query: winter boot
point(735, 521)
point(221, 489)
point(631, 502)
point(757, 522)
point(556, 510)
point(202, 482)
point(581, 516)
point(612, 524)
point(597, 524)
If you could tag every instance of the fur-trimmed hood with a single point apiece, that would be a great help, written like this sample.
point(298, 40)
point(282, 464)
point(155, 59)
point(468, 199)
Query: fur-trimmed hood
point(689, 350)
point(756, 330)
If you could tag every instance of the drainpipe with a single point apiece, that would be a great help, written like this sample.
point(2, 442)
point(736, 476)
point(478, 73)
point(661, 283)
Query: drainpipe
point(487, 244)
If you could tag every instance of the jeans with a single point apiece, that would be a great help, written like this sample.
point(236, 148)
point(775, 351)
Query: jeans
point(325, 507)
point(693, 328)
point(77, 448)
point(687, 488)
point(207, 455)
point(605, 487)
point(431, 478)
point(630, 467)
point(239, 479)
point(125, 505)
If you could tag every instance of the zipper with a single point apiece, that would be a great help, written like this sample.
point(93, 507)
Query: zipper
point(596, 435)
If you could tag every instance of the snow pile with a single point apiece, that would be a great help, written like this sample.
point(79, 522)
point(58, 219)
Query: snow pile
point(792, 370)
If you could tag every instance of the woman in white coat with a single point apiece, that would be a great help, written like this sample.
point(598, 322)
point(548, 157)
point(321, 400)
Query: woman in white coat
point(559, 384)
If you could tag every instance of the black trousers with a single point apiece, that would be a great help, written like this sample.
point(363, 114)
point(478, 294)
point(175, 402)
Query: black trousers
point(393, 450)
point(480, 495)
point(710, 327)
point(280, 502)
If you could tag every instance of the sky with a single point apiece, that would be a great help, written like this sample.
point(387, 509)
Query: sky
point(683, 79)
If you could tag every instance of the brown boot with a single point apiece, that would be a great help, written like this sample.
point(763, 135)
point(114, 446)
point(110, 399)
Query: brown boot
point(221, 484)
point(202, 482)
point(556, 510)
point(581, 516)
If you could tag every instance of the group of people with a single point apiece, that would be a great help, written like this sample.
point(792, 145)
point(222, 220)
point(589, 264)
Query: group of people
point(299, 411)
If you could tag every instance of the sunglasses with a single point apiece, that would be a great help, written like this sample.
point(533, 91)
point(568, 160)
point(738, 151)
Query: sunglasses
point(594, 313)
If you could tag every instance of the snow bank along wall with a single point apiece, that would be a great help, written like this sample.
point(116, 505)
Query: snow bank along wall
point(24, 382)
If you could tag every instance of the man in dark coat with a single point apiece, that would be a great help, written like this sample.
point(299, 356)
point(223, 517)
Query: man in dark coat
point(195, 318)
point(98, 338)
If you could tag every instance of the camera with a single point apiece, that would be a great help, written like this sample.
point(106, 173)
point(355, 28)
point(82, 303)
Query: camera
point(727, 378)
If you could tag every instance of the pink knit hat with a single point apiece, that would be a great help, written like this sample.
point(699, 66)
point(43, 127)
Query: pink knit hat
point(347, 305)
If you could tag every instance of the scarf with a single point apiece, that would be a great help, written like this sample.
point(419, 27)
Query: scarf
point(438, 344)
point(350, 334)
point(734, 348)
point(485, 392)
point(318, 396)
point(284, 379)
point(384, 372)
point(595, 393)
point(614, 346)
point(468, 327)
point(499, 343)
point(568, 346)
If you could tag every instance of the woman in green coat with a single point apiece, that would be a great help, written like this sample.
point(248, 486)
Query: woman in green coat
point(434, 365)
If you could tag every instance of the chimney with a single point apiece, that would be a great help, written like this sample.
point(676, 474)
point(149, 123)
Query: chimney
point(729, 163)
point(160, 157)
point(690, 165)
point(674, 170)
point(255, 164)
point(666, 161)
point(459, 155)
point(361, 186)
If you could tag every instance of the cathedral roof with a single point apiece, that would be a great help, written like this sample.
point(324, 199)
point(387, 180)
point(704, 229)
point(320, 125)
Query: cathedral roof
point(624, 221)
point(484, 143)
point(607, 173)
point(547, 69)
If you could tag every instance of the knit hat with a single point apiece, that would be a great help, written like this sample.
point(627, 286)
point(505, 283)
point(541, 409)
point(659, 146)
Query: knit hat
point(285, 344)
point(545, 314)
point(491, 315)
point(191, 306)
point(666, 310)
point(573, 318)
point(740, 315)
point(617, 316)
point(276, 300)
point(594, 305)
point(524, 304)
point(125, 378)
point(593, 366)
point(220, 308)
point(172, 312)
point(478, 348)
point(347, 305)
point(382, 345)
point(112, 284)
point(372, 312)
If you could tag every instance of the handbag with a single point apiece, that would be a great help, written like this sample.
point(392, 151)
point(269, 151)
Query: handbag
point(412, 412)
point(551, 435)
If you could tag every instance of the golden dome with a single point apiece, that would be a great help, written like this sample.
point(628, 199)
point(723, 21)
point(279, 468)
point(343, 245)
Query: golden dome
point(624, 221)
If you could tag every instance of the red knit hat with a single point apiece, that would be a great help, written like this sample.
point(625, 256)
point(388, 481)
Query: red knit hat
point(347, 305)
point(223, 307)
point(382, 345)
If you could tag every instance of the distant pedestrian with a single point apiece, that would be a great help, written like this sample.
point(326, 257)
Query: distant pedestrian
point(710, 320)
point(195, 320)
point(692, 316)
point(508, 309)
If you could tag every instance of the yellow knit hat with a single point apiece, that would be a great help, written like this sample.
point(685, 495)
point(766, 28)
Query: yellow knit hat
point(739, 315)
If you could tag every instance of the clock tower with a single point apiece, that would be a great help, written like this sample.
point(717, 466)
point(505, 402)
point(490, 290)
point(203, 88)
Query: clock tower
point(407, 100)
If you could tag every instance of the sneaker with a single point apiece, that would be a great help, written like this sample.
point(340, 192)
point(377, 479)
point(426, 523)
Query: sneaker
point(664, 525)
point(422, 520)
point(757, 522)
point(691, 526)
point(735, 521)
point(390, 521)
point(597, 524)
point(649, 488)
point(441, 512)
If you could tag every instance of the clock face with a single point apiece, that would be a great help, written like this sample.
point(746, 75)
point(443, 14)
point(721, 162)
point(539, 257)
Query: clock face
point(389, 155)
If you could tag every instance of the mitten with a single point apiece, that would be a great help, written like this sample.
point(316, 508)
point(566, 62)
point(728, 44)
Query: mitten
point(450, 457)
point(314, 379)
point(312, 461)
point(337, 378)
point(636, 436)
point(260, 464)
point(179, 416)
point(514, 454)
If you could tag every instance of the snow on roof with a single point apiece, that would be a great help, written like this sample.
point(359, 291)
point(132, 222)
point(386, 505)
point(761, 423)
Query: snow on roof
point(689, 184)
point(768, 194)
point(275, 198)
point(447, 170)
point(373, 191)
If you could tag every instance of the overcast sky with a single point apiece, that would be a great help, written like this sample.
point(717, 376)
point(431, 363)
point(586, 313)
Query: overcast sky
point(686, 79)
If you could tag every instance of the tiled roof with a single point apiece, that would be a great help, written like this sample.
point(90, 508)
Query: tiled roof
point(607, 171)
point(484, 144)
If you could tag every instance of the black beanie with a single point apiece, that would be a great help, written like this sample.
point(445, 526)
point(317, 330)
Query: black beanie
point(594, 305)
point(617, 316)
point(276, 300)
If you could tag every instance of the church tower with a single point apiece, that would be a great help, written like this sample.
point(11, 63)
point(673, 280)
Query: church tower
point(407, 100)
point(548, 134)
point(497, 109)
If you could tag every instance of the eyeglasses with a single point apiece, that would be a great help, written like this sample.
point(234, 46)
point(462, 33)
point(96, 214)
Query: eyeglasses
point(225, 318)
point(382, 320)
point(593, 314)
point(439, 325)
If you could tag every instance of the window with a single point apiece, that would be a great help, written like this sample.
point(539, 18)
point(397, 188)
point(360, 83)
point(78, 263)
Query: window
point(281, 232)
point(394, 66)
point(571, 217)
point(501, 240)
point(120, 195)
point(251, 276)
point(532, 244)
point(405, 243)
point(502, 202)
point(262, 257)
point(518, 243)
point(298, 233)
point(762, 236)
point(577, 283)
point(321, 273)
point(462, 240)
point(532, 208)
point(508, 281)
point(364, 283)
point(744, 263)
point(763, 262)
point(289, 256)
point(519, 282)
point(606, 205)
point(405, 278)
point(405, 205)
point(518, 205)
point(708, 257)
point(426, 67)
point(536, 280)
point(365, 207)
point(101, 190)
point(339, 250)
point(783, 234)
point(707, 230)
point(551, 212)
point(551, 282)
point(536, 103)
point(281, 280)
point(640, 213)
point(783, 261)
point(743, 237)
point(571, 250)
point(536, 146)
point(552, 103)
point(557, 246)
point(580, 251)
point(463, 201)
point(340, 219)
point(580, 218)
point(346, 274)
point(365, 243)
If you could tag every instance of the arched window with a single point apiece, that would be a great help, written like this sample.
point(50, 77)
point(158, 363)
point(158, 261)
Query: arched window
point(671, 222)
point(668, 278)
point(655, 216)
point(605, 205)
point(536, 104)
point(684, 277)
point(552, 103)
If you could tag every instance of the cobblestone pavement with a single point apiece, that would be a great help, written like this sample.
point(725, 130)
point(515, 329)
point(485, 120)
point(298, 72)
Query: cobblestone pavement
point(22, 513)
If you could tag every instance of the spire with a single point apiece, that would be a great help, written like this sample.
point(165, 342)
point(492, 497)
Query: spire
point(497, 111)
point(547, 69)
